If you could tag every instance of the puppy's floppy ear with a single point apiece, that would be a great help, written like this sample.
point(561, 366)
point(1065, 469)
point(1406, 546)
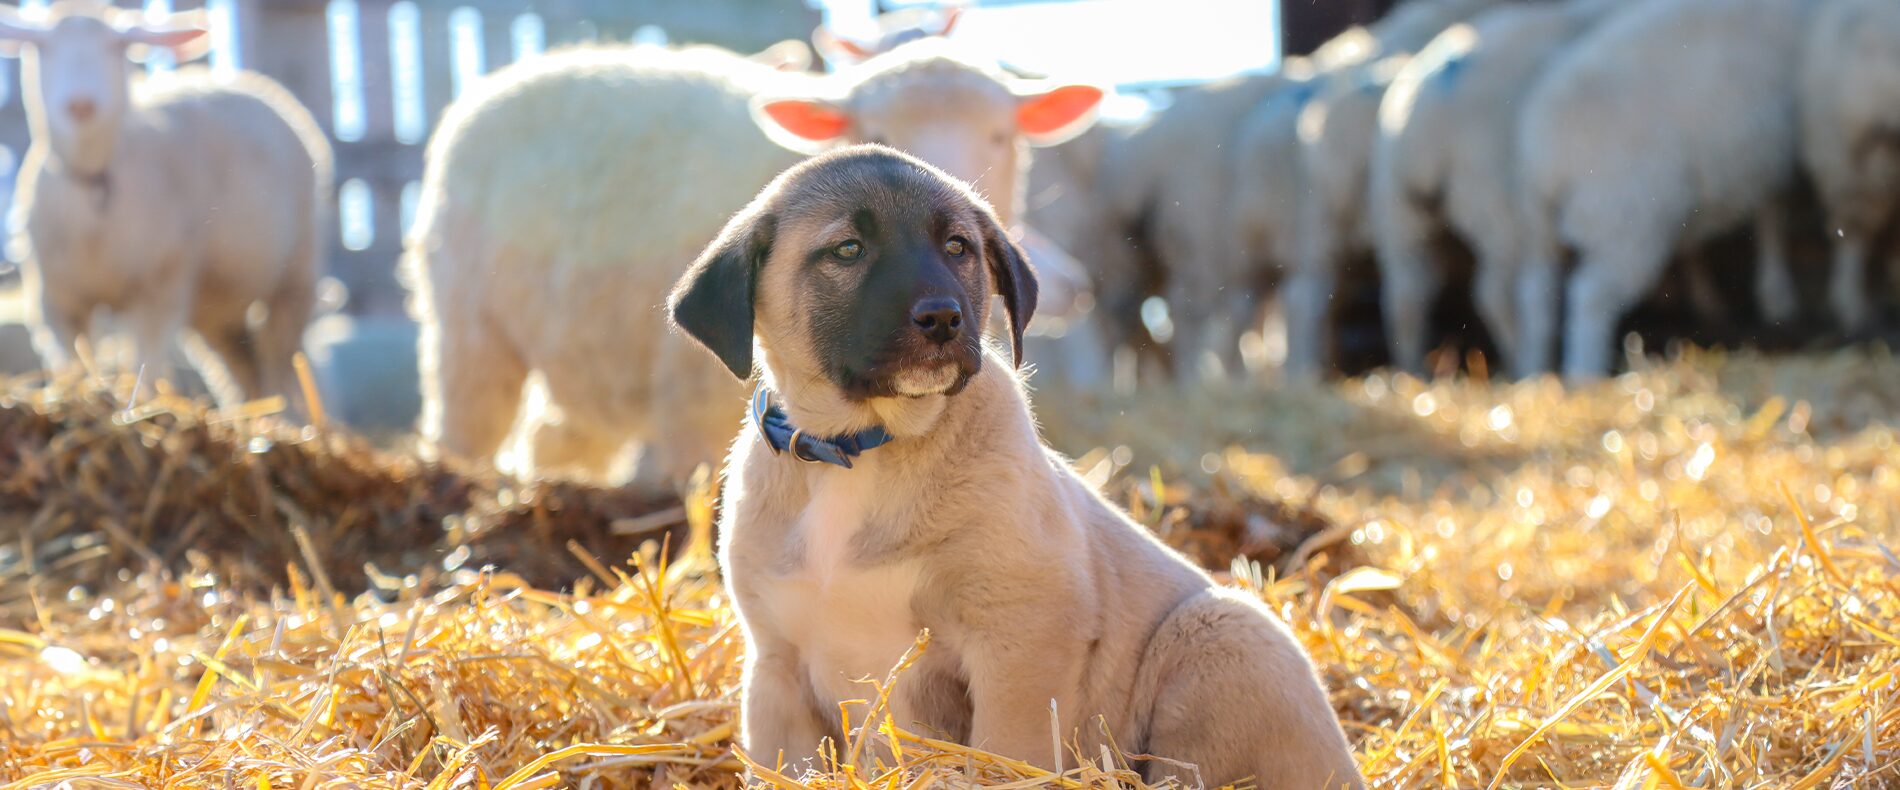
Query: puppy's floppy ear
point(712, 303)
point(1015, 281)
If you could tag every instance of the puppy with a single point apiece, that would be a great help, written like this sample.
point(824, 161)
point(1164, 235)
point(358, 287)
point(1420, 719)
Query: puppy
point(891, 480)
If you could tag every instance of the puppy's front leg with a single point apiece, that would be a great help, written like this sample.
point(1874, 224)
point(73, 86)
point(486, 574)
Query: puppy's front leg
point(777, 719)
point(1013, 678)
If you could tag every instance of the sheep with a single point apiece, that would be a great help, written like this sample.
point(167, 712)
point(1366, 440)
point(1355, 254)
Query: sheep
point(563, 196)
point(1445, 161)
point(1666, 125)
point(1067, 201)
point(1336, 130)
point(1169, 186)
point(1268, 182)
point(176, 201)
point(1850, 139)
point(893, 29)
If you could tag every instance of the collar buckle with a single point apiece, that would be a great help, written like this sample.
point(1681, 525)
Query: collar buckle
point(792, 445)
point(781, 436)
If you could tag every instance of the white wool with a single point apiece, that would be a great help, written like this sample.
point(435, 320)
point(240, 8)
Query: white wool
point(1663, 127)
point(1336, 132)
point(1445, 162)
point(1850, 111)
point(565, 194)
point(214, 199)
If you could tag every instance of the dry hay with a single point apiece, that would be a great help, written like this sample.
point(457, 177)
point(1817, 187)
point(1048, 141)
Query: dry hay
point(1684, 576)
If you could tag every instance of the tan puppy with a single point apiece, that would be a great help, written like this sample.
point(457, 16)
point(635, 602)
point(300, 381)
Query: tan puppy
point(864, 276)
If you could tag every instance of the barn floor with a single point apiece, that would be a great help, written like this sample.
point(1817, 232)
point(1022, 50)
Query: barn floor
point(1684, 576)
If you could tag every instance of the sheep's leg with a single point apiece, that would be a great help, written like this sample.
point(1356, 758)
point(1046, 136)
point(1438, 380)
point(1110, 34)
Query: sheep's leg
point(1201, 329)
point(56, 330)
point(233, 346)
point(1774, 281)
point(1307, 298)
point(1125, 339)
point(1705, 297)
point(1410, 289)
point(1411, 277)
point(1242, 317)
point(1604, 287)
point(1538, 298)
point(1491, 290)
point(1847, 284)
point(1411, 273)
point(575, 444)
point(471, 386)
point(1308, 306)
point(155, 329)
point(279, 337)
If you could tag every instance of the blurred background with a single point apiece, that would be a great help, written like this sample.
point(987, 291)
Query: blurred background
point(378, 73)
point(1234, 117)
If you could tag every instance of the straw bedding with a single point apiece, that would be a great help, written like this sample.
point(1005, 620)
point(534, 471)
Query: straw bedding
point(1685, 576)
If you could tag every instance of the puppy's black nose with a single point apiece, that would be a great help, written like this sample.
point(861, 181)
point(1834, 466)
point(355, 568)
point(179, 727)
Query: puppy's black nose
point(938, 317)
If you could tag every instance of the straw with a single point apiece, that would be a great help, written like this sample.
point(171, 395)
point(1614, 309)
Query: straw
point(1683, 576)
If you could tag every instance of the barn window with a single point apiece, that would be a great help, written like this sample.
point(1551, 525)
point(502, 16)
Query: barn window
point(356, 215)
point(226, 53)
point(410, 113)
point(652, 35)
point(346, 71)
point(530, 35)
point(411, 193)
point(465, 48)
point(159, 59)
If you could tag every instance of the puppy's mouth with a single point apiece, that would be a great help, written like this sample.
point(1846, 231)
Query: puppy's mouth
point(930, 379)
point(917, 375)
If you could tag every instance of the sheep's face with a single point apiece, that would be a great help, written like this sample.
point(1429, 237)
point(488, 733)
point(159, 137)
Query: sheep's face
point(965, 120)
point(76, 77)
point(967, 128)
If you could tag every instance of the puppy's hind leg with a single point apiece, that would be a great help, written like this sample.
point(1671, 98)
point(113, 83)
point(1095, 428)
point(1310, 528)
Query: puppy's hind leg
point(1235, 696)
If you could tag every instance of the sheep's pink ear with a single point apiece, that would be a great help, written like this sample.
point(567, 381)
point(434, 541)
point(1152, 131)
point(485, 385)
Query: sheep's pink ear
point(949, 21)
point(803, 125)
point(789, 55)
point(186, 43)
point(1051, 116)
point(838, 50)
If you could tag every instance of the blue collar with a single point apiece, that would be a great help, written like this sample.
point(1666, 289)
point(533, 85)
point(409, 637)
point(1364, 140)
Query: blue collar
point(780, 435)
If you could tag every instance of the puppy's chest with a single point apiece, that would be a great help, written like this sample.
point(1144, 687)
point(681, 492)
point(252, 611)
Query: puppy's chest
point(848, 608)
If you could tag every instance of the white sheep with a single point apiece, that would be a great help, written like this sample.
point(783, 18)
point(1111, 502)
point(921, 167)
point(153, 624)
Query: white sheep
point(564, 194)
point(179, 201)
point(1445, 162)
point(1269, 183)
point(1170, 184)
point(1067, 200)
point(1668, 124)
point(1336, 131)
point(1850, 139)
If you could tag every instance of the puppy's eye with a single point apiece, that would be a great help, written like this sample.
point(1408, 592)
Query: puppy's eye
point(954, 247)
point(848, 251)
